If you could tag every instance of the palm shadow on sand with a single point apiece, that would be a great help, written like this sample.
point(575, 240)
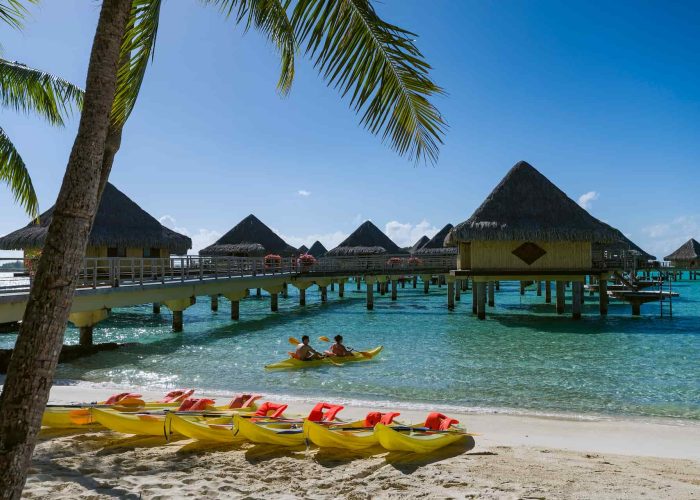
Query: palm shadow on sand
point(335, 457)
point(408, 463)
point(110, 445)
point(204, 447)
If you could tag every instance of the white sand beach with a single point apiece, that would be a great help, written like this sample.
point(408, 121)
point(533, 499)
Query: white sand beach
point(513, 457)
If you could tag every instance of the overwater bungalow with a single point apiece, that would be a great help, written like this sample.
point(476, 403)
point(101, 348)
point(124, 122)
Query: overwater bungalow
point(249, 238)
point(528, 229)
point(317, 249)
point(303, 249)
point(436, 244)
point(367, 239)
point(121, 229)
point(418, 244)
point(687, 257)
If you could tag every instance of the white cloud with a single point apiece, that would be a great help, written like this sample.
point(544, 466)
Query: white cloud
point(357, 219)
point(406, 234)
point(586, 199)
point(304, 192)
point(200, 238)
point(663, 238)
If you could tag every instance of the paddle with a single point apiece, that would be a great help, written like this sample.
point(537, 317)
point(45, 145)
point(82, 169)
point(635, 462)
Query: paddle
point(294, 341)
point(364, 354)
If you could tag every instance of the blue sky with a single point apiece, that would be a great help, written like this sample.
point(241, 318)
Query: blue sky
point(602, 97)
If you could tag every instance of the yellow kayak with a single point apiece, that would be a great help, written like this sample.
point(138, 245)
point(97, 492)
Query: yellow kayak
point(416, 441)
point(78, 416)
point(270, 431)
point(293, 363)
point(131, 423)
point(219, 429)
point(345, 436)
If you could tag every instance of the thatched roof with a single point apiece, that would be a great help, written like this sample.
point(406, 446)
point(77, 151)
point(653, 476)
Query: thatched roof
point(622, 243)
point(436, 245)
point(119, 223)
point(250, 238)
point(367, 239)
point(303, 249)
point(419, 244)
point(690, 250)
point(317, 249)
point(525, 205)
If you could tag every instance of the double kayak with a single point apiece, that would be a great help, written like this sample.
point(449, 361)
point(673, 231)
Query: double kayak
point(292, 363)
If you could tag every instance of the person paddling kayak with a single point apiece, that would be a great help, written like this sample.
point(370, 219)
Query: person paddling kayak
point(305, 352)
point(338, 349)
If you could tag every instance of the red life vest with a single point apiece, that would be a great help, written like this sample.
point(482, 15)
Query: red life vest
point(267, 407)
point(318, 415)
point(195, 404)
point(243, 401)
point(116, 398)
point(439, 422)
point(177, 396)
point(374, 417)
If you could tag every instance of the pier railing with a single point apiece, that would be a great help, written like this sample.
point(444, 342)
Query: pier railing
point(98, 272)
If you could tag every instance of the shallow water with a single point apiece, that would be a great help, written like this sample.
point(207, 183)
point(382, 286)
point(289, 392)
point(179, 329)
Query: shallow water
point(523, 357)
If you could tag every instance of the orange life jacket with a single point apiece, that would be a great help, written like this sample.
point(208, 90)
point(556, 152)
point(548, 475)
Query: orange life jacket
point(318, 415)
point(439, 422)
point(243, 401)
point(267, 407)
point(374, 417)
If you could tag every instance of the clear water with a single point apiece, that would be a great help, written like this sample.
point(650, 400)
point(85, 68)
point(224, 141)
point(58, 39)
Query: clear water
point(522, 358)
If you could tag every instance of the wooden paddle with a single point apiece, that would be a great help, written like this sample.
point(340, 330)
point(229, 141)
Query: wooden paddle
point(295, 341)
point(362, 353)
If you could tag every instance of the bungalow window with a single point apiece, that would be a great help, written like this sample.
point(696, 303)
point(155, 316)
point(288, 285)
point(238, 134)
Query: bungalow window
point(116, 252)
point(151, 252)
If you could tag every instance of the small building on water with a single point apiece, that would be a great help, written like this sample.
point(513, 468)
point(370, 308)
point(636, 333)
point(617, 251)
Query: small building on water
point(686, 257)
point(436, 244)
point(250, 238)
point(528, 229)
point(367, 239)
point(317, 250)
point(419, 244)
point(121, 229)
point(303, 249)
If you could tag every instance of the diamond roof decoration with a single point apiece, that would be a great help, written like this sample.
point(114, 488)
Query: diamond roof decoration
point(529, 252)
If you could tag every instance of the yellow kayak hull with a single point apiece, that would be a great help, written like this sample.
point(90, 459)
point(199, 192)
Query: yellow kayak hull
point(131, 423)
point(218, 430)
point(323, 437)
point(269, 434)
point(70, 417)
point(293, 363)
point(418, 442)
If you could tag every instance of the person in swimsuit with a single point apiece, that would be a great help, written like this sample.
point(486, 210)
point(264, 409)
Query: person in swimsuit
point(338, 349)
point(305, 352)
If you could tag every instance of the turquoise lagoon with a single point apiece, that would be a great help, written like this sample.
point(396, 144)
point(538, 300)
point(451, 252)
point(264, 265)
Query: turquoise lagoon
point(522, 358)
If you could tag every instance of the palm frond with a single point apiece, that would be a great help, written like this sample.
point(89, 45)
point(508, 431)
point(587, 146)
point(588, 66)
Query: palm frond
point(270, 18)
point(379, 66)
point(14, 173)
point(136, 50)
point(28, 90)
point(12, 12)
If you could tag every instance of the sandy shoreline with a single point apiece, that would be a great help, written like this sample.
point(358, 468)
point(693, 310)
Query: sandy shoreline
point(514, 457)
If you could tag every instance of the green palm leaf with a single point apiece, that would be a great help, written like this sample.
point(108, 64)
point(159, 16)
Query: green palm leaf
point(137, 48)
point(27, 90)
point(12, 12)
point(270, 18)
point(381, 69)
point(14, 173)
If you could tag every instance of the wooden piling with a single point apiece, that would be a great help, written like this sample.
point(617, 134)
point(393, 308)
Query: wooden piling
point(576, 291)
point(561, 300)
point(394, 293)
point(235, 310)
point(481, 300)
point(214, 303)
point(86, 335)
point(548, 292)
point(177, 321)
point(450, 295)
point(302, 296)
point(156, 308)
point(492, 294)
point(274, 302)
point(603, 295)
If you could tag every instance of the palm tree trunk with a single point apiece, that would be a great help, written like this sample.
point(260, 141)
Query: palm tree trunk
point(31, 369)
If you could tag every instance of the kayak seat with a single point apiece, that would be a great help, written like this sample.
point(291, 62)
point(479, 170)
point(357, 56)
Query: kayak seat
point(177, 396)
point(195, 404)
point(439, 422)
point(318, 414)
point(243, 401)
point(374, 417)
point(116, 398)
point(267, 407)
